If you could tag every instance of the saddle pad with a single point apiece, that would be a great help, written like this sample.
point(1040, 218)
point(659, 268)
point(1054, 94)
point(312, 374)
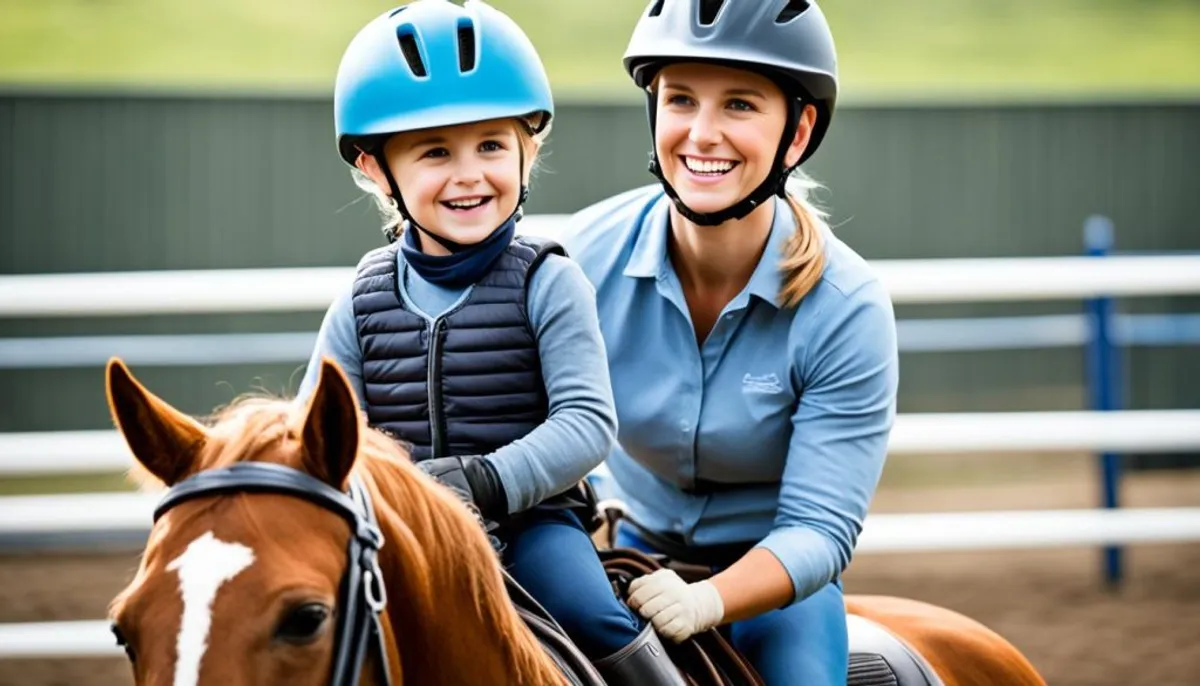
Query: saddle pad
point(877, 658)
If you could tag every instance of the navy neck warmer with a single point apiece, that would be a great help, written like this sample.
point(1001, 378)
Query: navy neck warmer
point(462, 268)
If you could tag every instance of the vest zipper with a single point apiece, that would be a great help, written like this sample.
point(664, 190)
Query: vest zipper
point(436, 429)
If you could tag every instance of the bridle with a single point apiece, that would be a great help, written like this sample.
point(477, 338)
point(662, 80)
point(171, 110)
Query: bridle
point(363, 596)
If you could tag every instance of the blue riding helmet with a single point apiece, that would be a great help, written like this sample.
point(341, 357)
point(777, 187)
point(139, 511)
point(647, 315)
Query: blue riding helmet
point(434, 63)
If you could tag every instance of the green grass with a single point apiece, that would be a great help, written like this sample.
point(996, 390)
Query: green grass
point(74, 483)
point(913, 48)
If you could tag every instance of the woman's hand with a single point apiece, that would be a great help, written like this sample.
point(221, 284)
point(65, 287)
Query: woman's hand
point(676, 608)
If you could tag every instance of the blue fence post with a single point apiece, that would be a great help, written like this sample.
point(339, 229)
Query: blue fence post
point(1105, 383)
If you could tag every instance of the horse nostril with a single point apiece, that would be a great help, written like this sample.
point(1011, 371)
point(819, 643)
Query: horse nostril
point(303, 624)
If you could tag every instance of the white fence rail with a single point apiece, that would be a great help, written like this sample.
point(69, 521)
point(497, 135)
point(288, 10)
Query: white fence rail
point(305, 289)
point(914, 335)
point(313, 288)
point(130, 513)
point(66, 452)
point(57, 640)
point(76, 513)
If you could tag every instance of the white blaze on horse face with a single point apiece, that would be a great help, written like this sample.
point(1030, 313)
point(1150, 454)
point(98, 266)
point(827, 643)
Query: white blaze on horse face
point(206, 564)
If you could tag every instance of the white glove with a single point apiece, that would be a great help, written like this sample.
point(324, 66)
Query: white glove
point(676, 608)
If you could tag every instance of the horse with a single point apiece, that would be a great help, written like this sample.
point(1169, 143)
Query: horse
point(297, 545)
point(246, 579)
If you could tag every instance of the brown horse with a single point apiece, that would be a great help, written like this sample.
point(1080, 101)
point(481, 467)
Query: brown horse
point(245, 586)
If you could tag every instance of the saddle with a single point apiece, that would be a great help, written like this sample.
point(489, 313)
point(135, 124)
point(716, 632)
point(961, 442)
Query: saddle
point(877, 657)
point(706, 659)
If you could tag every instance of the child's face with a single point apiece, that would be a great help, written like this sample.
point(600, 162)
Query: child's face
point(460, 181)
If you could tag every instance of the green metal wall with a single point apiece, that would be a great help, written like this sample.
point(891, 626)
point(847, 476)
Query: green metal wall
point(118, 182)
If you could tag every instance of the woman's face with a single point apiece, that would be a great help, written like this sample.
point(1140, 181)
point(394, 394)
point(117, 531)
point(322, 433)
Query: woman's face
point(717, 131)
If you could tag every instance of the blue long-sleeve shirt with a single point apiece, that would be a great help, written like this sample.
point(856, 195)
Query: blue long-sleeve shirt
point(796, 403)
point(581, 426)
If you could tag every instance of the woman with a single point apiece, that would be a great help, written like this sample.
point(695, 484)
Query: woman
point(752, 353)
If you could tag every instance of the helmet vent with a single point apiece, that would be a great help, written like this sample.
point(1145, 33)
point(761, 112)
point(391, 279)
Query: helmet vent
point(794, 9)
point(466, 45)
point(412, 53)
point(655, 8)
point(709, 10)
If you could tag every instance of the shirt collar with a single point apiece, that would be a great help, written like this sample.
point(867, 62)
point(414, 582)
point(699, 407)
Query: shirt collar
point(649, 256)
point(767, 279)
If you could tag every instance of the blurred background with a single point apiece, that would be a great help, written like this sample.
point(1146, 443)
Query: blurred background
point(167, 135)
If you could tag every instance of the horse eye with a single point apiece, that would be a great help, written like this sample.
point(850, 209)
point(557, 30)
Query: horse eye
point(303, 624)
point(124, 643)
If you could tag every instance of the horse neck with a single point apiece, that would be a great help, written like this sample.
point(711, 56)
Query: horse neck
point(451, 617)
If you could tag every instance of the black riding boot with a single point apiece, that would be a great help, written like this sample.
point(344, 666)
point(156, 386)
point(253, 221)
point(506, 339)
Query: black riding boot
point(641, 663)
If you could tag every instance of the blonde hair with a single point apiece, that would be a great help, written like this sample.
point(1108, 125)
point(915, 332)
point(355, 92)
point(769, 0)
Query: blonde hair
point(392, 221)
point(804, 255)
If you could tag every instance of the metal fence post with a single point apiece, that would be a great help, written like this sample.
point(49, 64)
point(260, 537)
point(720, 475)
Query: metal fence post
point(1105, 383)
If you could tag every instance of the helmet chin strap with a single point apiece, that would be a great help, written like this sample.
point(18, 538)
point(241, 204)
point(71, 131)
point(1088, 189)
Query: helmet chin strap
point(774, 184)
point(407, 221)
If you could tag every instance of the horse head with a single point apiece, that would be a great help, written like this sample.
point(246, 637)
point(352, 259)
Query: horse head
point(285, 529)
point(241, 585)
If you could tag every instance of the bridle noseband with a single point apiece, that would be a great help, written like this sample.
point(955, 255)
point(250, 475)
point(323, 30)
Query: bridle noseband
point(363, 596)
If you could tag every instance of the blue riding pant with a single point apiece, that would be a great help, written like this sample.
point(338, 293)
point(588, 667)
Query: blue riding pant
point(550, 554)
point(803, 643)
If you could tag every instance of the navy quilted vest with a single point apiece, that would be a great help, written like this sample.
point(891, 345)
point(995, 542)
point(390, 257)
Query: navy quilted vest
point(466, 384)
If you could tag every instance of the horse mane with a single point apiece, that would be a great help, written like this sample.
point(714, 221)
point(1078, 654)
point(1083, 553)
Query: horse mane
point(440, 542)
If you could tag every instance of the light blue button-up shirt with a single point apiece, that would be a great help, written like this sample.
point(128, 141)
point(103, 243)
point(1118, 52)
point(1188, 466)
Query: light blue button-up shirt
point(796, 403)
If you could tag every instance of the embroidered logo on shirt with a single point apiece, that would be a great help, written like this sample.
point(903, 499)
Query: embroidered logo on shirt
point(766, 383)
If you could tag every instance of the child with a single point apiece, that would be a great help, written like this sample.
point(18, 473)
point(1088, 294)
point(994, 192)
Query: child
point(478, 348)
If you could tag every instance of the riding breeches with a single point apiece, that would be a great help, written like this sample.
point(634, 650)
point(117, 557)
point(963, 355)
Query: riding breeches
point(803, 643)
point(550, 554)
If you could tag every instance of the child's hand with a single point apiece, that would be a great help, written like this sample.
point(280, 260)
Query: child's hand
point(449, 473)
point(473, 480)
point(454, 474)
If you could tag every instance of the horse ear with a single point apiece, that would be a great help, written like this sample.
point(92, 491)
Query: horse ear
point(331, 433)
point(163, 439)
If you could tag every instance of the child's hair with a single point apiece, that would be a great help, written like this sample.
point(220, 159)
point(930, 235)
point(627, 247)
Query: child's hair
point(393, 222)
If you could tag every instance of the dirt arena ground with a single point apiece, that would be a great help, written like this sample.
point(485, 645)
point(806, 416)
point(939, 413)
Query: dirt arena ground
point(1050, 603)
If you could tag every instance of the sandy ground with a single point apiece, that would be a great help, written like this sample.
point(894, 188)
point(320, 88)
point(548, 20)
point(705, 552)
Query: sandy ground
point(1049, 603)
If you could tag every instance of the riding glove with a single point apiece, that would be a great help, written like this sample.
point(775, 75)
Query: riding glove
point(473, 479)
point(676, 608)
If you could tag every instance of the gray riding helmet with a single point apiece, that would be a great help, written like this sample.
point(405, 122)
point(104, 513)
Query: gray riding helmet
point(788, 41)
